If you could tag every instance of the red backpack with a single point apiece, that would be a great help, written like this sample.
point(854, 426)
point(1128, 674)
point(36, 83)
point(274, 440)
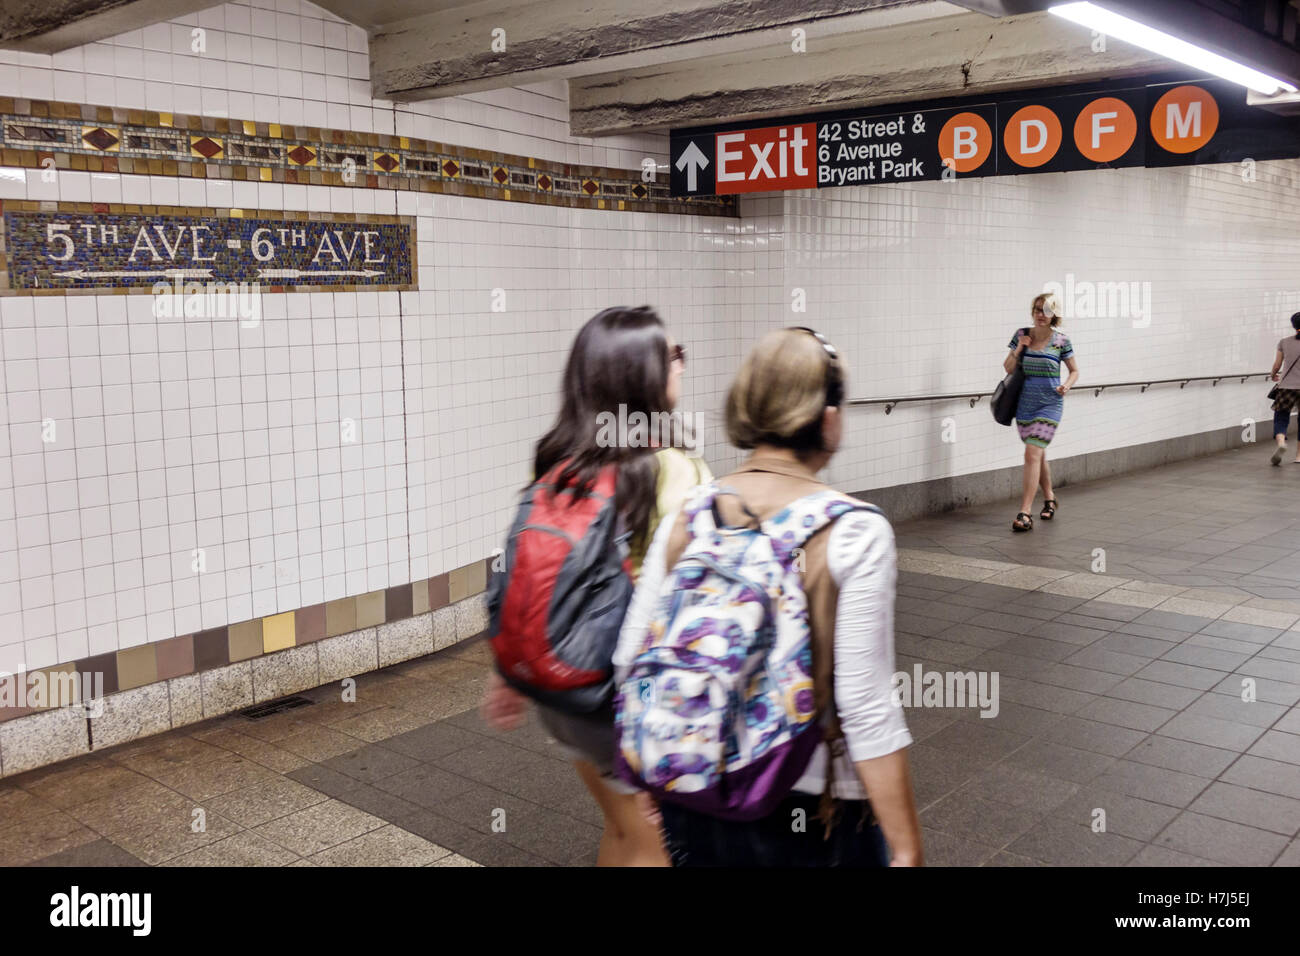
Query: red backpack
point(557, 606)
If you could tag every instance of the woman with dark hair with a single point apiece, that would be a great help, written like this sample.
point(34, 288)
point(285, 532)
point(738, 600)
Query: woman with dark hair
point(621, 384)
point(1288, 389)
point(1042, 350)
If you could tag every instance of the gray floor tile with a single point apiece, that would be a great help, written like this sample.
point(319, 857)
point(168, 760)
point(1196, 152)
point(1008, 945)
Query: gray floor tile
point(1180, 675)
point(1058, 760)
point(1250, 633)
point(1183, 756)
point(1262, 774)
point(980, 739)
point(1152, 783)
point(1256, 713)
point(1221, 840)
point(1267, 811)
point(1261, 688)
point(1068, 844)
point(96, 854)
point(1276, 745)
point(946, 849)
point(1212, 731)
point(1069, 633)
point(1160, 856)
point(370, 763)
point(1154, 693)
point(1094, 736)
point(1126, 815)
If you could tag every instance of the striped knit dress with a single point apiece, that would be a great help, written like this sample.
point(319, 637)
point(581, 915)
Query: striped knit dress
point(1038, 414)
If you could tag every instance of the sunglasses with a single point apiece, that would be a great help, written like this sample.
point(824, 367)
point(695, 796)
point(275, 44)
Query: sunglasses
point(677, 354)
point(834, 384)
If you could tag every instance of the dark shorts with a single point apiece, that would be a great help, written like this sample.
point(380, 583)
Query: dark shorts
point(587, 737)
point(785, 837)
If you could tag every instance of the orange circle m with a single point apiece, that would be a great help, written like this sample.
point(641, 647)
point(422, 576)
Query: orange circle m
point(965, 142)
point(1105, 129)
point(1032, 136)
point(1184, 119)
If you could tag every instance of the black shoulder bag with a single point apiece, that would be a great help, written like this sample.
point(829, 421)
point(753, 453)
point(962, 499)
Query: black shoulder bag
point(1007, 395)
point(1272, 392)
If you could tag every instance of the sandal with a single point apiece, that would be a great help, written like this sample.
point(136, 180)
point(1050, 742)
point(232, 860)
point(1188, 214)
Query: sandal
point(1049, 509)
point(1026, 525)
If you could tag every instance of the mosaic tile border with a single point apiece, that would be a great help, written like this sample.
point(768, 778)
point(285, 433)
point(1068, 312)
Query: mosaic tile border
point(210, 650)
point(90, 209)
point(111, 139)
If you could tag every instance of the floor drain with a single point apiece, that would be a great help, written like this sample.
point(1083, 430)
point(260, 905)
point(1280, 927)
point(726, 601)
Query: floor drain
point(260, 711)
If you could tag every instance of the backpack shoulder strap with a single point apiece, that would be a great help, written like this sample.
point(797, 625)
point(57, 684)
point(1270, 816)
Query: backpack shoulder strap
point(793, 525)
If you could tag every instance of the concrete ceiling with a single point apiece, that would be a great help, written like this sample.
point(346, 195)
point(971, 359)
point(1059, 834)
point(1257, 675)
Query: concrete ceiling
point(633, 65)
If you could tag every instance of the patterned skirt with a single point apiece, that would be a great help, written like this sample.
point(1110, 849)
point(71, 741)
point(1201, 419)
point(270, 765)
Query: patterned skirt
point(1038, 413)
point(1287, 399)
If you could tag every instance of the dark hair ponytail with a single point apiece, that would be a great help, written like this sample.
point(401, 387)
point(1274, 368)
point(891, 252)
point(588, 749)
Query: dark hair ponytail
point(620, 357)
point(1295, 324)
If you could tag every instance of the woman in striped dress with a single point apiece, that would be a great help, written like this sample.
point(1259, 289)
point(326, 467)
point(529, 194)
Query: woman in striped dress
point(1038, 414)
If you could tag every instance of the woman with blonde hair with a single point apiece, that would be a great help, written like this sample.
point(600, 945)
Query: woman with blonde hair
point(1041, 350)
point(821, 734)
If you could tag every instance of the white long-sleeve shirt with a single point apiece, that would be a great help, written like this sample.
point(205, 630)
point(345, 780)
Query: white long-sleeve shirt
point(861, 558)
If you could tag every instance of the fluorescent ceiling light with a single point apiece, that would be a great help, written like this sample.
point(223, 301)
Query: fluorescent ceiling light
point(1149, 38)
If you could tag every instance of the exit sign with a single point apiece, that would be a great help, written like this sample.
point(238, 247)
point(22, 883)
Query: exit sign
point(1166, 124)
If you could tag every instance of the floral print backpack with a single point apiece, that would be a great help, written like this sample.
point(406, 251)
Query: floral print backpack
point(716, 712)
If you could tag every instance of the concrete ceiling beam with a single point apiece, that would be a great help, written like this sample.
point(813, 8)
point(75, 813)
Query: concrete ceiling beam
point(51, 26)
point(965, 54)
point(450, 51)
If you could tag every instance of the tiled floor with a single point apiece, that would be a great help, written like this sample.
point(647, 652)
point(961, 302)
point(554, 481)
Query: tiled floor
point(1120, 693)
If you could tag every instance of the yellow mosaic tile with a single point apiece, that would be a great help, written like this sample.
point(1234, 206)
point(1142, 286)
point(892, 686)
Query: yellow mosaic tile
point(278, 632)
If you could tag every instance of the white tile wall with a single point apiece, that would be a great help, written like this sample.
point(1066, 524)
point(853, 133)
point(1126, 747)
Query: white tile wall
point(175, 436)
point(922, 286)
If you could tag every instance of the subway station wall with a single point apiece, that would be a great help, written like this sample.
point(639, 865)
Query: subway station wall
point(922, 287)
point(196, 433)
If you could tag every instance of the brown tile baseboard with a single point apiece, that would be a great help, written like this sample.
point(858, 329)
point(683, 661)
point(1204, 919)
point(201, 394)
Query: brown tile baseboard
point(252, 640)
point(38, 737)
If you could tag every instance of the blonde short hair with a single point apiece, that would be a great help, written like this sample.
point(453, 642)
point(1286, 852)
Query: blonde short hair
point(779, 394)
point(1048, 300)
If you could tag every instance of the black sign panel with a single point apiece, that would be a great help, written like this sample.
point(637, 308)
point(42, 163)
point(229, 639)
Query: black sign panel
point(905, 147)
point(1167, 124)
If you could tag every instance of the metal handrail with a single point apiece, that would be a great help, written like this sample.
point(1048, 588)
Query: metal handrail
point(974, 397)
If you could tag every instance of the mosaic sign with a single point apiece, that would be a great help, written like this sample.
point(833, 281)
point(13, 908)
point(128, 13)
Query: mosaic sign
point(54, 250)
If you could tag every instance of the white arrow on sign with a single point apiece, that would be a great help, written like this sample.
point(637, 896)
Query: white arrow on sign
point(692, 160)
point(168, 273)
point(300, 273)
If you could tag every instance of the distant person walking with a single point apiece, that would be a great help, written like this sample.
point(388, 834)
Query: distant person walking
point(1288, 389)
point(1041, 349)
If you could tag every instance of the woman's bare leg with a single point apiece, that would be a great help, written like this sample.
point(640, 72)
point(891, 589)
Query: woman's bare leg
point(629, 839)
point(1033, 467)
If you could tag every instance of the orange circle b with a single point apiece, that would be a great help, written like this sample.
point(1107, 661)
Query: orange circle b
point(1032, 136)
point(1105, 129)
point(965, 142)
point(1184, 119)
